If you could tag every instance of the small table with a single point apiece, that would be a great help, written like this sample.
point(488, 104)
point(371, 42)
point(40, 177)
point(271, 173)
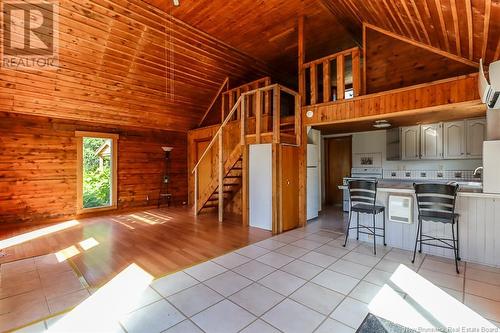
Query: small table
point(165, 196)
point(374, 324)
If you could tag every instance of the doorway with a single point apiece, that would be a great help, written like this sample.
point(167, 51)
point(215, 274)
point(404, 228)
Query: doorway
point(338, 163)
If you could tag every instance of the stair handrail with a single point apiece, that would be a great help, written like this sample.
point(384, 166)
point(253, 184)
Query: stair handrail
point(219, 92)
point(230, 115)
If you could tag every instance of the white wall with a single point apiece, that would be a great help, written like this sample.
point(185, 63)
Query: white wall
point(375, 142)
point(260, 185)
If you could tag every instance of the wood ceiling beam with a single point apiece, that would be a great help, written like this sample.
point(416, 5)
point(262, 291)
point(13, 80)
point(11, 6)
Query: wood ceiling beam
point(423, 45)
point(420, 21)
point(334, 11)
point(468, 10)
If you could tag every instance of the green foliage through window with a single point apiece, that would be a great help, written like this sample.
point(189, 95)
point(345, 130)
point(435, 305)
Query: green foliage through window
point(97, 173)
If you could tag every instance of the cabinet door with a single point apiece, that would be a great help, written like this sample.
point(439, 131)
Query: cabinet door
point(431, 141)
point(454, 140)
point(410, 143)
point(476, 134)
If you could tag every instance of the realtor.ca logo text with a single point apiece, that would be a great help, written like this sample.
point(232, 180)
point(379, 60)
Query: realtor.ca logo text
point(30, 34)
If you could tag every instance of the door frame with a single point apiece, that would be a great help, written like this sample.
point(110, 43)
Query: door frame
point(326, 143)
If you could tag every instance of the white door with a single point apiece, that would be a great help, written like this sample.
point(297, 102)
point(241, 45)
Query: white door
point(260, 190)
point(454, 140)
point(431, 141)
point(410, 143)
point(312, 193)
point(476, 134)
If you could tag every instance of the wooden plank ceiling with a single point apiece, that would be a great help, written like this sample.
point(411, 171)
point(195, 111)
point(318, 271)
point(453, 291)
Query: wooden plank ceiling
point(127, 63)
point(469, 29)
point(266, 30)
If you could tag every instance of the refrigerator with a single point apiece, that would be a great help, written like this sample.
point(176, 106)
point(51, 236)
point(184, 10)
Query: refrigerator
point(312, 181)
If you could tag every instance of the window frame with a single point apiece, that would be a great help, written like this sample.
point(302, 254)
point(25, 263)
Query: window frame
point(79, 170)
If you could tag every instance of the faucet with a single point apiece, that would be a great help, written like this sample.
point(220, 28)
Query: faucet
point(476, 171)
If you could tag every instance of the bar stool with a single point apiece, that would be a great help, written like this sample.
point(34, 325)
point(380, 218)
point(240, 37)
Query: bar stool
point(436, 203)
point(363, 195)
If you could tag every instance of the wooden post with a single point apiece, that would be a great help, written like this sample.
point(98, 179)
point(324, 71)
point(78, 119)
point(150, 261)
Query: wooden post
point(340, 77)
point(314, 84)
point(298, 120)
point(303, 178)
point(276, 192)
point(364, 59)
point(221, 176)
point(326, 81)
point(243, 120)
point(302, 78)
point(258, 115)
point(356, 73)
point(196, 191)
point(276, 114)
point(244, 185)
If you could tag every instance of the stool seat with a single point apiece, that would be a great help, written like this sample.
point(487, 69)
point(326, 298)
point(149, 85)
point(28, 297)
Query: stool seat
point(367, 209)
point(440, 217)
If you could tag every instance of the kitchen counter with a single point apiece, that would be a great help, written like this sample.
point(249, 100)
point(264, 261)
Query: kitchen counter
point(479, 224)
point(466, 189)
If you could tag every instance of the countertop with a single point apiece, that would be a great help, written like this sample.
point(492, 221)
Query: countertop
point(406, 187)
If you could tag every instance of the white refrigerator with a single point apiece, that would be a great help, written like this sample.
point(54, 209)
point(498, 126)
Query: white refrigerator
point(312, 181)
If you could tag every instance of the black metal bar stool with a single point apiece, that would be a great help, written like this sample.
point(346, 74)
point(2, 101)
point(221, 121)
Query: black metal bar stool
point(363, 196)
point(436, 203)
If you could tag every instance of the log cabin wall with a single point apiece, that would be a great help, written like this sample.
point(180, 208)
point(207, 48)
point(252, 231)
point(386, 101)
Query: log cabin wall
point(38, 167)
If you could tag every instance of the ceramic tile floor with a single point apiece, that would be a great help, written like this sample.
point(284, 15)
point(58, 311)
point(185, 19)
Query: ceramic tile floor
point(301, 281)
point(37, 287)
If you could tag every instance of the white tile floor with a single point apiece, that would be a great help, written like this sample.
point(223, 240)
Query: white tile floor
point(301, 281)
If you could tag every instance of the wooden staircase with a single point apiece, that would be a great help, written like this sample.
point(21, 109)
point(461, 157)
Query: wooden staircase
point(231, 183)
point(254, 118)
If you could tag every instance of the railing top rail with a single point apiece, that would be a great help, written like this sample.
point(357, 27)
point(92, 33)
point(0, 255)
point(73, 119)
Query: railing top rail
point(221, 88)
point(264, 79)
point(331, 56)
point(233, 110)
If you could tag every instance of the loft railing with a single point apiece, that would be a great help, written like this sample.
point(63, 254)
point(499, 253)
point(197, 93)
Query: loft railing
point(327, 79)
point(253, 128)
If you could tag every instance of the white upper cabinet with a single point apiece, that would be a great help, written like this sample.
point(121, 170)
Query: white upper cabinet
point(475, 133)
point(410, 143)
point(431, 141)
point(454, 140)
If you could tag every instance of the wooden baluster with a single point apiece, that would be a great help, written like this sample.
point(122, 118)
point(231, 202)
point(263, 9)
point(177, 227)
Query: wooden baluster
point(340, 77)
point(298, 118)
point(258, 115)
point(276, 114)
point(356, 73)
point(326, 81)
point(314, 84)
point(221, 176)
point(196, 191)
point(223, 107)
point(231, 101)
point(238, 113)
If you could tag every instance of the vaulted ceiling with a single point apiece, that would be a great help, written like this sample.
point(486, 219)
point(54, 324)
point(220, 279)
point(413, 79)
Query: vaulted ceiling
point(265, 29)
point(467, 28)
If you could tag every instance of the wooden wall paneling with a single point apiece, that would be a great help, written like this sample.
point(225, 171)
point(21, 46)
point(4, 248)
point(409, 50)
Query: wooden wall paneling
point(392, 63)
point(458, 94)
point(112, 64)
point(38, 167)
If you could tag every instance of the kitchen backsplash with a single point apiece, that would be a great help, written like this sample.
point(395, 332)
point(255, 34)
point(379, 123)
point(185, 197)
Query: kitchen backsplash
point(458, 175)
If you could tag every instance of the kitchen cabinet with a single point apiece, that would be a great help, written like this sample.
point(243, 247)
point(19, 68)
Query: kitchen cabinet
point(431, 141)
point(410, 143)
point(475, 132)
point(454, 140)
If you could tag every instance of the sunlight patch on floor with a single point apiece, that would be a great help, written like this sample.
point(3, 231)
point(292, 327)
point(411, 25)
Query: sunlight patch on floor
point(102, 311)
point(19, 239)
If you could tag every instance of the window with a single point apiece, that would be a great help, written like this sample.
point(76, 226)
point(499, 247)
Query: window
point(96, 171)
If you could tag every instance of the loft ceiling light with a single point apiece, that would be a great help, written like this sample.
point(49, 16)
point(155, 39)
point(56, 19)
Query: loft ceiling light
point(381, 124)
point(176, 3)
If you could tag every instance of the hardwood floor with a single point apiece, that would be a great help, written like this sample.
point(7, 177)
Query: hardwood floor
point(161, 241)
